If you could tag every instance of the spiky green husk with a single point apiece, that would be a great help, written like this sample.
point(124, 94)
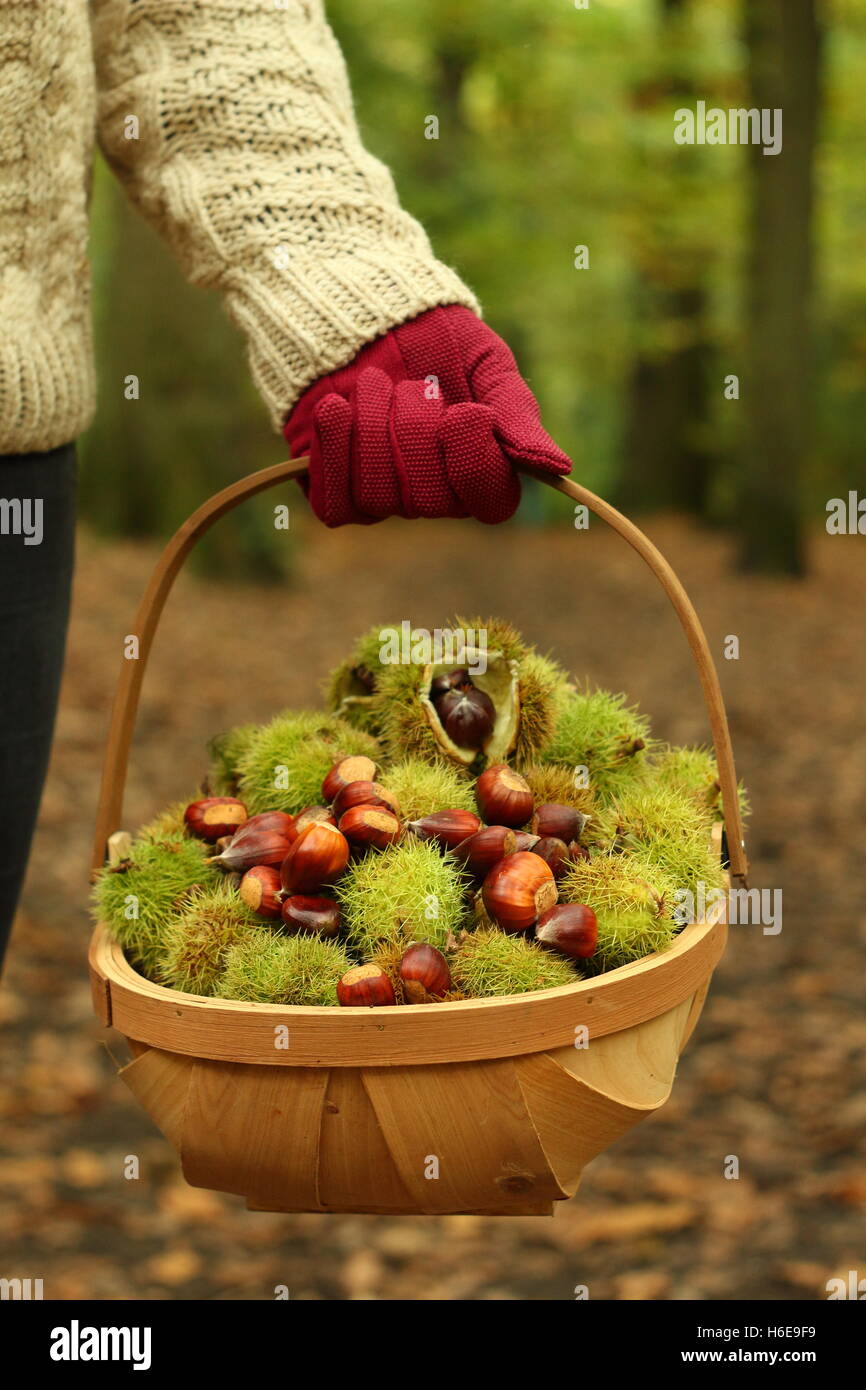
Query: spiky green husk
point(267, 969)
point(285, 764)
point(408, 892)
point(346, 693)
point(555, 782)
point(544, 691)
point(500, 635)
point(597, 730)
point(160, 879)
point(168, 825)
point(634, 901)
point(489, 962)
point(403, 726)
point(388, 955)
point(424, 788)
point(694, 771)
point(543, 684)
point(396, 710)
point(543, 688)
point(226, 752)
point(195, 943)
point(602, 830)
point(666, 827)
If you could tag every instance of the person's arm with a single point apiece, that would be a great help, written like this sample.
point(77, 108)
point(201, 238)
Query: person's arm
point(249, 162)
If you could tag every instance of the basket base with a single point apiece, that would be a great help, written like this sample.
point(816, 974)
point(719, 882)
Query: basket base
point(501, 1138)
point(530, 1209)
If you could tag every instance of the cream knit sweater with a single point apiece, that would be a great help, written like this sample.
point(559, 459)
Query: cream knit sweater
point(230, 124)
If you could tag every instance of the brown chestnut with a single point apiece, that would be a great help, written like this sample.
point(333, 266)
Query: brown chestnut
point(448, 828)
point(570, 928)
point(352, 769)
point(313, 815)
point(271, 820)
point(425, 973)
point(518, 890)
point(503, 796)
point(363, 793)
point(454, 680)
point(371, 825)
point(214, 816)
point(315, 916)
point(367, 986)
point(264, 839)
point(467, 716)
point(555, 853)
point(318, 857)
point(553, 818)
point(485, 848)
point(261, 890)
point(525, 840)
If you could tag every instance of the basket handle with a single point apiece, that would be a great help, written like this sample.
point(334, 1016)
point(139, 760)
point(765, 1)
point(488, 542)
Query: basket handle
point(126, 698)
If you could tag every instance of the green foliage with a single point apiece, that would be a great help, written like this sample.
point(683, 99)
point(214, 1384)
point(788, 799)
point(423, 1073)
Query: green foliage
point(285, 764)
point(489, 962)
point(532, 101)
point(597, 730)
point(196, 942)
point(424, 788)
point(410, 891)
point(500, 636)
point(266, 969)
point(139, 902)
point(361, 668)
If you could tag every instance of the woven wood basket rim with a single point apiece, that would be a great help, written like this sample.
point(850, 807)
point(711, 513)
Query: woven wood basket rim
point(233, 1030)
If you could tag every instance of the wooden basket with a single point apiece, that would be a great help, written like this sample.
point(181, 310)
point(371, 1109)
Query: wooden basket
point(488, 1106)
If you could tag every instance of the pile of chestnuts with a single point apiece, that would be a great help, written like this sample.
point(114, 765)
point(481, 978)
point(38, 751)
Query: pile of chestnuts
point(513, 853)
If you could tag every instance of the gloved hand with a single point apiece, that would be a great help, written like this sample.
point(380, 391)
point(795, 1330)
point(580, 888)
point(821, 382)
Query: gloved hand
point(425, 421)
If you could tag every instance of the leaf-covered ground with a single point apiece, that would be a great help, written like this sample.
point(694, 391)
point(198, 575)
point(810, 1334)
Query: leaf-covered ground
point(774, 1075)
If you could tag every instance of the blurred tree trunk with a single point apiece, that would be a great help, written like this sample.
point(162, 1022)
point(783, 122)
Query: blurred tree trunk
point(665, 460)
point(784, 52)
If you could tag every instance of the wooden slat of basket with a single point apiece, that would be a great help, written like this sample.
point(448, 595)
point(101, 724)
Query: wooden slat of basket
point(473, 1120)
point(353, 1155)
point(698, 1002)
point(635, 1067)
point(160, 1083)
point(600, 1084)
point(254, 1131)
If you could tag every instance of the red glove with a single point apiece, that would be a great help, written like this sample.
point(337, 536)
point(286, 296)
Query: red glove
point(425, 421)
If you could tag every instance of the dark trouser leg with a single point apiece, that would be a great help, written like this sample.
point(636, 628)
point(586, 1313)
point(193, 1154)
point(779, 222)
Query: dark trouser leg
point(35, 582)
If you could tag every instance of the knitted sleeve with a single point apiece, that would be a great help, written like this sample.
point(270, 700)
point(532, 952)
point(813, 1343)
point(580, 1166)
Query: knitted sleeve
point(230, 123)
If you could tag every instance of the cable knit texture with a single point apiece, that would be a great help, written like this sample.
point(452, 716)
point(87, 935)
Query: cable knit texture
point(247, 159)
